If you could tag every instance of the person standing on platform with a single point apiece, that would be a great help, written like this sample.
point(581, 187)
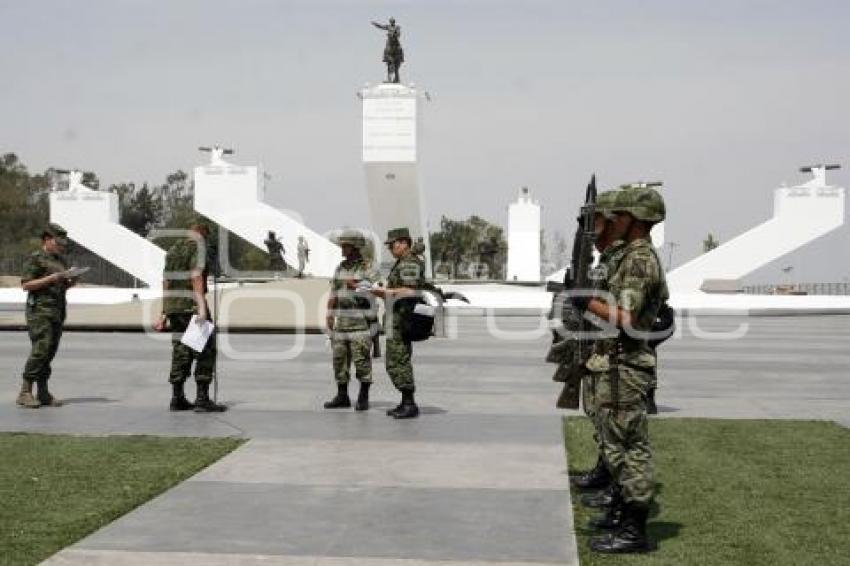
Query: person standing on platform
point(184, 295)
point(45, 278)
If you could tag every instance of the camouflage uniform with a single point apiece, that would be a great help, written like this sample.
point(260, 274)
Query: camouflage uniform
point(623, 368)
point(45, 313)
point(408, 271)
point(179, 306)
point(351, 340)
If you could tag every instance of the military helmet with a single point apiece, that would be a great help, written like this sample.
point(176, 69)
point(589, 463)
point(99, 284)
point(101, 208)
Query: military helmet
point(644, 203)
point(605, 201)
point(53, 230)
point(351, 237)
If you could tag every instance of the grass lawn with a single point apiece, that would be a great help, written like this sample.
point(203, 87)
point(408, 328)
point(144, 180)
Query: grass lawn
point(56, 489)
point(736, 492)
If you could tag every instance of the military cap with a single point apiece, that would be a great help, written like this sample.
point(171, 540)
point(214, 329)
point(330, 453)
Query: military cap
point(644, 203)
point(56, 231)
point(398, 234)
point(352, 237)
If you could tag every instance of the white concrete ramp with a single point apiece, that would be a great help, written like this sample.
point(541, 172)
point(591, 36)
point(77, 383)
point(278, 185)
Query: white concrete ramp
point(232, 196)
point(91, 218)
point(801, 214)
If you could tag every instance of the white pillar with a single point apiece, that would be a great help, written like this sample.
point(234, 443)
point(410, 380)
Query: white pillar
point(524, 239)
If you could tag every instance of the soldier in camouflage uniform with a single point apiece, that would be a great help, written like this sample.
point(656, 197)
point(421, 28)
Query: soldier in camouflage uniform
point(622, 369)
point(184, 294)
point(349, 313)
point(405, 279)
point(45, 279)
point(610, 246)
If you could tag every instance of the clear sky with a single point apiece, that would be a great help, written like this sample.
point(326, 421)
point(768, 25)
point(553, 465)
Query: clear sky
point(722, 100)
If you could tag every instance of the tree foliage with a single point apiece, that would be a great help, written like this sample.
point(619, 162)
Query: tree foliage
point(468, 249)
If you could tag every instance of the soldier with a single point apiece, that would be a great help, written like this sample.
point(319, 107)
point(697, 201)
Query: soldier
point(349, 310)
point(276, 252)
point(45, 279)
point(610, 246)
point(622, 369)
point(184, 294)
point(406, 277)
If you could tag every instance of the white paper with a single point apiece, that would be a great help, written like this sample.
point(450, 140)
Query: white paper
point(197, 335)
point(425, 310)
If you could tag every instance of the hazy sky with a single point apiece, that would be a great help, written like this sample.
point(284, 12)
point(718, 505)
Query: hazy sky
point(723, 100)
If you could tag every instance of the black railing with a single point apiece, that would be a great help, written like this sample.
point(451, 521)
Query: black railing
point(799, 289)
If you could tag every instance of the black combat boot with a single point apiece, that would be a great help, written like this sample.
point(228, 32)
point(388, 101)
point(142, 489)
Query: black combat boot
point(596, 478)
point(178, 399)
point(203, 404)
point(341, 401)
point(363, 397)
point(44, 396)
point(408, 408)
point(651, 407)
point(612, 518)
point(630, 536)
point(599, 499)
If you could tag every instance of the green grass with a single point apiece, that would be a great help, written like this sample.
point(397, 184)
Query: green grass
point(736, 492)
point(56, 489)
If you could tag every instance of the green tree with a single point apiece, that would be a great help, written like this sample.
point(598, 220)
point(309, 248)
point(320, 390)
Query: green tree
point(468, 248)
point(709, 243)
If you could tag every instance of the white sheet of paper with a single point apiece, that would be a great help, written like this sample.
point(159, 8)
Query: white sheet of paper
point(197, 335)
point(77, 271)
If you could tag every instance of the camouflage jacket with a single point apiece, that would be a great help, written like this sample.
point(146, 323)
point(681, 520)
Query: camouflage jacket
point(181, 262)
point(354, 310)
point(635, 283)
point(408, 271)
point(51, 299)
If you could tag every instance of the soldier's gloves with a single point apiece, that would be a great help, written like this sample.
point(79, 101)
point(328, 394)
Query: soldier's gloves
point(580, 302)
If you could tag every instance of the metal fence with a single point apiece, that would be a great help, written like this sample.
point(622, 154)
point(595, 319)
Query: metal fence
point(799, 289)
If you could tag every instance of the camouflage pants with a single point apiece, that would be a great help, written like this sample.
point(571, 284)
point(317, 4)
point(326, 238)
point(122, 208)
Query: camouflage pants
point(624, 431)
point(397, 356)
point(356, 348)
point(588, 403)
point(182, 356)
point(45, 330)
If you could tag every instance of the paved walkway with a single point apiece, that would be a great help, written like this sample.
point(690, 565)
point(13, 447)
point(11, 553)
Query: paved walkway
point(479, 479)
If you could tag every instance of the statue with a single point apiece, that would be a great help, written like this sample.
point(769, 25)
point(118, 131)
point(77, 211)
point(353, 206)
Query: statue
point(303, 255)
point(393, 53)
point(275, 247)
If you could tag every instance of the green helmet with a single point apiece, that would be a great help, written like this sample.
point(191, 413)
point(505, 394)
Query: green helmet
point(352, 237)
point(605, 201)
point(644, 203)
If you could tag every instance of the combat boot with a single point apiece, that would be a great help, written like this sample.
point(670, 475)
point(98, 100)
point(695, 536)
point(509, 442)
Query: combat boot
point(630, 536)
point(203, 403)
point(596, 478)
point(341, 401)
point(408, 408)
point(25, 398)
point(613, 516)
point(651, 407)
point(44, 396)
point(602, 498)
point(178, 399)
point(363, 397)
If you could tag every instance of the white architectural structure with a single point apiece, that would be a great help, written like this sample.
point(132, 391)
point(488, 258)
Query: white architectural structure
point(91, 218)
point(801, 214)
point(232, 195)
point(524, 239)
point(390, 126)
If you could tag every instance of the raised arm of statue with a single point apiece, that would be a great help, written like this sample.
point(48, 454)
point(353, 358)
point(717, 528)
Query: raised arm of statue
point(380, 26)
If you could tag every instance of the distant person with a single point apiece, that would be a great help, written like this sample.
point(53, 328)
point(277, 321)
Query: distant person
point(45, 278)
point(184, 295)
point(303, 255)
point(276, 252)
point(348, 322)
point(405, 279)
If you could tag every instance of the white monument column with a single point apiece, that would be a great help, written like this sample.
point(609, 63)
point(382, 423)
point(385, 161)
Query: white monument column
point(390, 125)
point(524, 239)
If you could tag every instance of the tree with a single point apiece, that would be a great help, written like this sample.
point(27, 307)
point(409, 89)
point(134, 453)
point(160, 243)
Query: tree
point(709, 243)
point(468, 248)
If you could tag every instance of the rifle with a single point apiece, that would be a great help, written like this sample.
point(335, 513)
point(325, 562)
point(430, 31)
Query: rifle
point(577, 279)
